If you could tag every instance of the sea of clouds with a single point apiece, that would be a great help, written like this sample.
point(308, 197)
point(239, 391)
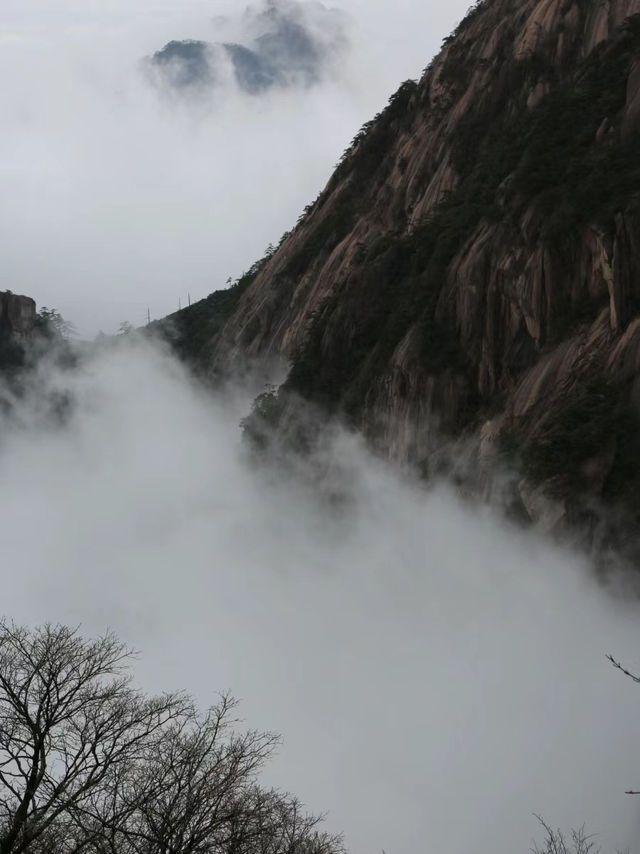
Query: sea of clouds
point(437, 675)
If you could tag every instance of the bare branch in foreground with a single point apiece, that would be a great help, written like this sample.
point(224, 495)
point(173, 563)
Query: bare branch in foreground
point(623, 669)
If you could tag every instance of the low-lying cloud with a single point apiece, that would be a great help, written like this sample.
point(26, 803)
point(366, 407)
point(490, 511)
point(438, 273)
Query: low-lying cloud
point(437, 676)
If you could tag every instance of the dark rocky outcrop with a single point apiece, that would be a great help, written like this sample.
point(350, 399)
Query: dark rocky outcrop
point(17, 322)
point(17, 315)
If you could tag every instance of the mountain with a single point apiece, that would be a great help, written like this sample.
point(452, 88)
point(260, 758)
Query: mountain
point(286, 44)
point(472, 269)
point(185, 63)
point(280, 59)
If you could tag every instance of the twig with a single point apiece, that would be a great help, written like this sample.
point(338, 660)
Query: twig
point(624, 670)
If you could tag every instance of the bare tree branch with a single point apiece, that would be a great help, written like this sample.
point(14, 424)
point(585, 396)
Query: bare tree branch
point(623, 670)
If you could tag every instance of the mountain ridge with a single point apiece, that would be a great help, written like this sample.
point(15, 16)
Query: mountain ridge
point(470, 269)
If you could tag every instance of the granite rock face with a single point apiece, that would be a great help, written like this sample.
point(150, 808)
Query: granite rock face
point(472, 268)
point(17, 315)
point(17, 325)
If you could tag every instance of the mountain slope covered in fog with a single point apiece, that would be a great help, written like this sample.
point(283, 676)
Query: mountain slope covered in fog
point(470, 270)
point(435, 674)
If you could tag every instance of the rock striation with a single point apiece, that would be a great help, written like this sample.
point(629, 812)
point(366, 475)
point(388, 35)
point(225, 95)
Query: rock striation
point(472, 268)
point(17, 315)
point(17, 323)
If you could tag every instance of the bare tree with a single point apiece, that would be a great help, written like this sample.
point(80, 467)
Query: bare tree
point(69, 721)
point(88, 764)
point(197, 792)
point(290, 830)
point(188, 791)
point(556, 842)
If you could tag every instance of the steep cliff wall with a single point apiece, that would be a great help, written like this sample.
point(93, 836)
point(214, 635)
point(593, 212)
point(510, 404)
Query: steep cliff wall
point(17, 315)
point(17, 322)
point(472, 266)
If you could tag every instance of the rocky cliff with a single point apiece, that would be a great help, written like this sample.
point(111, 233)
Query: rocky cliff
point(17, 322)
point(17, 315)
point(472, 267)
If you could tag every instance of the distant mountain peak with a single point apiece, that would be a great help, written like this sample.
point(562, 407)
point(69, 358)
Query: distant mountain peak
point(283, 47)
point(185, 63)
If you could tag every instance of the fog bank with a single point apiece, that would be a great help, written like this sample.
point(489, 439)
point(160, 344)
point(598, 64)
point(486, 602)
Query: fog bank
point(437, 677)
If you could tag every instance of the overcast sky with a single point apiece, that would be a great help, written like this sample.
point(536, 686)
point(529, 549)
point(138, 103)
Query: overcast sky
point(116, 199)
